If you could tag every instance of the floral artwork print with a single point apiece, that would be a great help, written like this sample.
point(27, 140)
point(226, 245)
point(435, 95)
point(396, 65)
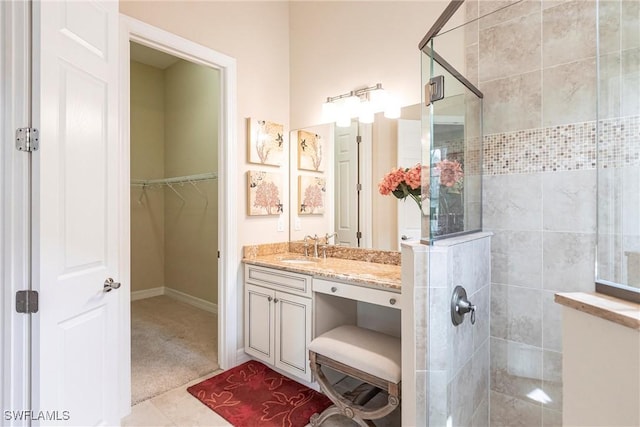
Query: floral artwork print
point(310, 151)
point(311, 195)
point(265, 193)
point(266, 142)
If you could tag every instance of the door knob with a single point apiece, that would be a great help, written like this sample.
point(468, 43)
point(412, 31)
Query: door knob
point(109, 285)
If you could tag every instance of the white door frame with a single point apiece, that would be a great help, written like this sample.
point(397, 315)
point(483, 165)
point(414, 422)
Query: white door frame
point(148, 35)
point(15, 366)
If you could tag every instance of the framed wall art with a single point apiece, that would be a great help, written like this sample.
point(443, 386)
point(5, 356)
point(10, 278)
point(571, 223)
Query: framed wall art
point(310, 151)
point(265, 142)
point(264, 193)
point(312, 192)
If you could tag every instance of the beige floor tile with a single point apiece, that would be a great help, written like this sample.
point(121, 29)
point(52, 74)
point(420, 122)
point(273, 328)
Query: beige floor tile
point(146, 414)
point(202, 378)
point(185, 410)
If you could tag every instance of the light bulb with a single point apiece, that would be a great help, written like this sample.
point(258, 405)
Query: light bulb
point(378, 99)
point(351, 105)
point(343, 122)
point(366, 112)
point(329, 111)
point(392, 108)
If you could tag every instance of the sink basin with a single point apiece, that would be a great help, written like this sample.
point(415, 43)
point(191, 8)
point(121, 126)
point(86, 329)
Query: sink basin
point(299, 260)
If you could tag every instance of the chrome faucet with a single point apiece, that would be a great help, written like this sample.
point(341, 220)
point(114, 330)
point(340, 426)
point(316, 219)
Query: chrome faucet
point(329, 236)
point(326, 243)
point(315, 238)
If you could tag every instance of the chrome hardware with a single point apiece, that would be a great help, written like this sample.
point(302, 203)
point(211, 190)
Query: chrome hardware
point(460, 306)
point(110, 285)
point(275, 300)
point(392, 301)
point(269, 299)
point(326, 243)
point(334, 289)
point(27, 139)
point(434, 90)
point(315, 239)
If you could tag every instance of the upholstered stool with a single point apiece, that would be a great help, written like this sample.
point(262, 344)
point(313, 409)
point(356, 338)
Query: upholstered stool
point(367, 355)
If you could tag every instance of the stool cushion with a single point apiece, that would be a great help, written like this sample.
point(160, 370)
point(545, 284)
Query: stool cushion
point(373, 352)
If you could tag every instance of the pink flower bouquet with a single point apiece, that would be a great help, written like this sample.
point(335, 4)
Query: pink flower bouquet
point(403, 183)
point(450, 172)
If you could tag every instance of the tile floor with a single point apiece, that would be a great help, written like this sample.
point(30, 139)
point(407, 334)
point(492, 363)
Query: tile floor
point(174, 408)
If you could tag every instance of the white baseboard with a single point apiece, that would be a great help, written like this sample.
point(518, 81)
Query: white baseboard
point(191, 300)
point(175, 294)
point(241, 357)
point(147, 293)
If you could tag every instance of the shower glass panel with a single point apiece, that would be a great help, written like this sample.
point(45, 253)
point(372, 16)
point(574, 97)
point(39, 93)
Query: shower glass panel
point(452, 129)
point(618, 128)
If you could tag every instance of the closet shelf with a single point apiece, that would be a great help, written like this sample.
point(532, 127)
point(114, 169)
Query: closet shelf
point(175, 180)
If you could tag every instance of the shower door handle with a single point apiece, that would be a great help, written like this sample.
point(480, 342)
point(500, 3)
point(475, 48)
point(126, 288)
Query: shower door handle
point(110, 285)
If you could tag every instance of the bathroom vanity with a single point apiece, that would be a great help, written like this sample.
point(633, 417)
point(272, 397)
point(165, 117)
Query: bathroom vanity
point(289, 299)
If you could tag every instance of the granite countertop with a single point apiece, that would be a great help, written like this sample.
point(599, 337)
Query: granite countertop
point(616, 310)
point(363, 273)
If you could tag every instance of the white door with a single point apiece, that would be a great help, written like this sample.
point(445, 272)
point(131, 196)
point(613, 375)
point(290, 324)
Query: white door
point(81, 333)
point(409, 153)
point(346, 180)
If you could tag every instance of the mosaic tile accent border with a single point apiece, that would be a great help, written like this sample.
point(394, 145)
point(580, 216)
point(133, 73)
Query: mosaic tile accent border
point(619, 142)
point(563, 148)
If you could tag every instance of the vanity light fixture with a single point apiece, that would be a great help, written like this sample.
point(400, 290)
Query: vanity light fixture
point(362, 103)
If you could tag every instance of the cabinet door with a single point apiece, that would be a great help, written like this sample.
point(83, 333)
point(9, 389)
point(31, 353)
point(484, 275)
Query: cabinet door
point(293, 334)
point(259, 323)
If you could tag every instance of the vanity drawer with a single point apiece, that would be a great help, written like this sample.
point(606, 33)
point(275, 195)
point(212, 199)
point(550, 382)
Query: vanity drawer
point(278, 279)
point(358, 293)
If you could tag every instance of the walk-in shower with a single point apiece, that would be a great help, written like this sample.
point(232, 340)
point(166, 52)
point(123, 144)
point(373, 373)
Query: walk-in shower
point(533, 107)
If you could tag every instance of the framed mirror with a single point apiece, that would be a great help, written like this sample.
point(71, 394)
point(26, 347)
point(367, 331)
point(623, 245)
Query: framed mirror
point(357, 159)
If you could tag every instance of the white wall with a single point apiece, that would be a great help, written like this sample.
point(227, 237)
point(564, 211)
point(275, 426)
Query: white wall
point(601, 371)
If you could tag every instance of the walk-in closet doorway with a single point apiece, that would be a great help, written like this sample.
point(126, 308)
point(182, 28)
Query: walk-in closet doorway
point(174, 130)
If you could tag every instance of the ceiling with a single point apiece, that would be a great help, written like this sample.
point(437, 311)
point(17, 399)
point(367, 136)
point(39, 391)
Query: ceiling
point(151, 57)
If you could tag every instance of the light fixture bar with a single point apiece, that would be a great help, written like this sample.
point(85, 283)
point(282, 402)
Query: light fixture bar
point(357, 92)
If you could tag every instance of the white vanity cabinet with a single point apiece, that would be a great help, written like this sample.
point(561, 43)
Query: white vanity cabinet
point(278, 318)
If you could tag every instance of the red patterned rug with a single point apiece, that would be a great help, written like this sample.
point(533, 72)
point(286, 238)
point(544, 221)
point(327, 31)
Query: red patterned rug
point(254, 395)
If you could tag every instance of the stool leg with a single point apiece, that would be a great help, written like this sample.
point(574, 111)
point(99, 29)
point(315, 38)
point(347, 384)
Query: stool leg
point(343, 406)
point(317, 419)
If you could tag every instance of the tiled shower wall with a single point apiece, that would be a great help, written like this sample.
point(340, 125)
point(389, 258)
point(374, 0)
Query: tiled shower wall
point(535, 62)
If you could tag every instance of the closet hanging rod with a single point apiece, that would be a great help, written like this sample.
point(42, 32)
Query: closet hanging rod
point(175, 180)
